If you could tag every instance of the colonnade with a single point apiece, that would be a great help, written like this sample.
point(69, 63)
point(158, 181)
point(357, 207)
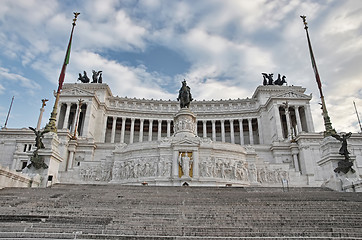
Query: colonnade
point(67, 114)
point(293, 120)
point(131, 130)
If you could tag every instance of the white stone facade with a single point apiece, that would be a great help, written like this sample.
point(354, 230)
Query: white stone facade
point(259, 141)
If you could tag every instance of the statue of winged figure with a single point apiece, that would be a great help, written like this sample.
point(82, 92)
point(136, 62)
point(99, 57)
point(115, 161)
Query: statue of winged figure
point(344, 165)
point(39, 136)
point(343, 150)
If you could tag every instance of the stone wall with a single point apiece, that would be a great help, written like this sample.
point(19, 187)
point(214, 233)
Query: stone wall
point(10, 178)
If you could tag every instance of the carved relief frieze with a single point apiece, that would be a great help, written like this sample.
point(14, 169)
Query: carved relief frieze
point(101, 172)
point(225, 168)
point(267, 175)
point(142, 167)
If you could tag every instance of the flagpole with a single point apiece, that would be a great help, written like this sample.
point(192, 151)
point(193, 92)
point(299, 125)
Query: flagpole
point(51, 126)
point(7, 117)
point(327, 122)
point(357, 116)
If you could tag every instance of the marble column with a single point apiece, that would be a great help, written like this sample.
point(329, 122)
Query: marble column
point(66, 117)
point(232, 137)
point(261, 137)
point(296, 162)
point(213, 130)
point(175, 164)
point(204, 132)
point(222, 130)
point(40, 118)
point(159, 129)
point(278, 122)
point(71, 148)
point(297, 117)
point(150, 125)
point(140, 139)
point(289, 130)
point(104, 129)
point(123, 129)
point(241, 132)
point(70, 160)
point(196, 127)
point(86, 118)
point(195, 170)
point(131, 136)
point(309, 119)
point(168, 128)
point(113, 129)
point(251, 137)
point(75, 118)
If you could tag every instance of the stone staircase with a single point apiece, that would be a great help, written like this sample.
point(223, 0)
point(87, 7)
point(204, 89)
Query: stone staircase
point(144, 212)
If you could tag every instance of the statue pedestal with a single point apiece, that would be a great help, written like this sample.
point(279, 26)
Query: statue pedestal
point(185, 123)
point(51, 157)
point(329, 161)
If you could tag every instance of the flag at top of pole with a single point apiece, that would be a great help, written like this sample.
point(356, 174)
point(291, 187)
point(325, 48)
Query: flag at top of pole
point(67, 55)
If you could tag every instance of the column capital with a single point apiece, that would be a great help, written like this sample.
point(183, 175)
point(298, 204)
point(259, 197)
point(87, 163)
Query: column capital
point(204, 121)
point(168, 120)
point(231, 120)
point(133, 119)
point(142, 120)
point(222, 120)
point(213, 121)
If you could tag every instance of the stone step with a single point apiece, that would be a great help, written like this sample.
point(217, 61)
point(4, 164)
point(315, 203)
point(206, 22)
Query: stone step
point(259, 235)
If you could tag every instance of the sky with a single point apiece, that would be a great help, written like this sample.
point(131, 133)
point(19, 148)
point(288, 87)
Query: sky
point(146, 48)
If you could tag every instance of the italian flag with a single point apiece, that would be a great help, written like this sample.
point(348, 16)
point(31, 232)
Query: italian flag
point(66, 62)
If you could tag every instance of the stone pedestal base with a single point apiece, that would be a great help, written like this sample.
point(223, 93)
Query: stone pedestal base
point(185, 123)
point(329, 162)
point(51, 157)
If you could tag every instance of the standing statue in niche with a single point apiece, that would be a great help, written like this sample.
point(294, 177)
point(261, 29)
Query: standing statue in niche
point(95, 76)
point(344, 165)
point(36, 161)
point(184, 162)
point(84, 78)
point(184, 96)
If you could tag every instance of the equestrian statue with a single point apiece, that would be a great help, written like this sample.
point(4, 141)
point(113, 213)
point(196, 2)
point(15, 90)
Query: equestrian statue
point(184, 95)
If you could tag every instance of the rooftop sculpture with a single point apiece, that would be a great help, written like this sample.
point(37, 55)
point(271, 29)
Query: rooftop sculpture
point(96, 77)
point(268, 79)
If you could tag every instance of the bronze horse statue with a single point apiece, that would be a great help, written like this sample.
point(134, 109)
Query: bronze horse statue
point(184, 95)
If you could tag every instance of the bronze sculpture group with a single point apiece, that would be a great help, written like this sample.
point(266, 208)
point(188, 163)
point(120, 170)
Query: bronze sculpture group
point(96, 77)
point(268, 79)
point(344, 165)
point(36, 161)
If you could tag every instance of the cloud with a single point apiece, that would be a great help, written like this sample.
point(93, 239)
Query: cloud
point(6, 75)
point(2, 89)
point(227, 44)
point(124, 80)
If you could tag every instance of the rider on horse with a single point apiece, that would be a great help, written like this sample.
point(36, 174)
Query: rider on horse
point(184, 95)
